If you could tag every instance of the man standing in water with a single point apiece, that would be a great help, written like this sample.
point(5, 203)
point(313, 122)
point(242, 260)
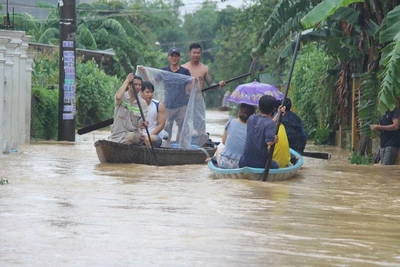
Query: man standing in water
point(200, 71)
point(389, 128)
point(126, 128)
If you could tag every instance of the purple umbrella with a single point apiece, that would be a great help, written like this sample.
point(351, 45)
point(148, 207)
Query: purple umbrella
point(250, 93)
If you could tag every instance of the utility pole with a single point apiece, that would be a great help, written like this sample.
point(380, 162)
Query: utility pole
point(66, 100)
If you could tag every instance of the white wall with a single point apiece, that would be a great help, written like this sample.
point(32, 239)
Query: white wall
point(15, 90)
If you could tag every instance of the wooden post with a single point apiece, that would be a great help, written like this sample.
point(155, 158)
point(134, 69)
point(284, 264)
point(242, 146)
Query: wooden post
point(355, 138)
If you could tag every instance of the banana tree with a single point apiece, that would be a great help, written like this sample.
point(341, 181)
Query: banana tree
point(97, 30)
point(349, 30)
point(380, 61)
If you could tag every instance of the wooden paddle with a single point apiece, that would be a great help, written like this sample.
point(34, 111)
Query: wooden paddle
point(108, 122)
point(271, 150)
point(96, 126)
point(228, 81)
point(317, 155)
point(250, 73)
point(144, 119)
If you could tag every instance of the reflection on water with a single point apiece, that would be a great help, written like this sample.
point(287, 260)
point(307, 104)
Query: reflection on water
point(61, 207)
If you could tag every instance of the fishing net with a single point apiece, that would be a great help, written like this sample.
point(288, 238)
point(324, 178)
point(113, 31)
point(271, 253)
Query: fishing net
point(185, 108)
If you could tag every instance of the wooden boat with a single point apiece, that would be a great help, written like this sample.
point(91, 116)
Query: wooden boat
point(111, 152)
point(280, 174)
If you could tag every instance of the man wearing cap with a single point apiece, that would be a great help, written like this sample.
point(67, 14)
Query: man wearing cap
point(176, 95)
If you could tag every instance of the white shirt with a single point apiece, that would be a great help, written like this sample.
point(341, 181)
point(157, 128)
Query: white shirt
point(152, 114)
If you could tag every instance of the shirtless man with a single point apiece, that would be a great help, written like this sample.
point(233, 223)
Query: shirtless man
point(200, 71)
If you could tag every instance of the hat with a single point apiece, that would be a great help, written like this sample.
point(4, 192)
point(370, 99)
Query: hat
point(174, 50)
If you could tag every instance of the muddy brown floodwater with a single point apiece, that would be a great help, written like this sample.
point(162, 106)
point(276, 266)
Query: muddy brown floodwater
point(62, 208)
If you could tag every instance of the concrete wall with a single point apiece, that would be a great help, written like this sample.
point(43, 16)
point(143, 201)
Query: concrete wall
point(15, 90)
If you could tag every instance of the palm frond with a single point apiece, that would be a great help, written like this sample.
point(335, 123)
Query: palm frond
point(85, 38)
point(288, 13)
point(48, 35)
point(367, 107)
point(323, 10)
point(132, 30)
point(115, 27)
point(390, 61)
point(390, 88)
point(390, 29)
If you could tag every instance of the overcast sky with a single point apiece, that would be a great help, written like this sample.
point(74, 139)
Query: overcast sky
point(191, 5)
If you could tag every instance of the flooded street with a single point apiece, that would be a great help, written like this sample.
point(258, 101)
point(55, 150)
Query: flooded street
point(62, 208)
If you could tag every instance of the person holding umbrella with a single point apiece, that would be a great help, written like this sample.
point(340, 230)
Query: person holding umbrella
point(260, 134)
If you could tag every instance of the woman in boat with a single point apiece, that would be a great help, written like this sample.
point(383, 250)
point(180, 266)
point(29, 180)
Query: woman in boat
point(234, 139)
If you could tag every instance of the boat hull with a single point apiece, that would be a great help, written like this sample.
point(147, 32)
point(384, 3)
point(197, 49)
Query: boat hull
point(248, 173)
point(112, 152)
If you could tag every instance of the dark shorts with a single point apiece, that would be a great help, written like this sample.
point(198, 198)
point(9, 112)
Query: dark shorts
point(158, 142)
point(389, 155)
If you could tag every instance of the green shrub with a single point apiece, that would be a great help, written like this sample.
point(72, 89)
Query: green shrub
point(44, 114)
point(94, 94)
point(356, 158)
point(322, 136)
point(312, 94)
point(45, 70)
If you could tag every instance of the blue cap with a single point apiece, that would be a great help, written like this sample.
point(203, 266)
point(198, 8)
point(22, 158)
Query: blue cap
point(174, 50)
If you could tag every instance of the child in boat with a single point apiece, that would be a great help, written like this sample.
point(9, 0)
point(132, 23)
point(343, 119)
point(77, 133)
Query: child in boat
point(261, 131)
point(234, 139)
